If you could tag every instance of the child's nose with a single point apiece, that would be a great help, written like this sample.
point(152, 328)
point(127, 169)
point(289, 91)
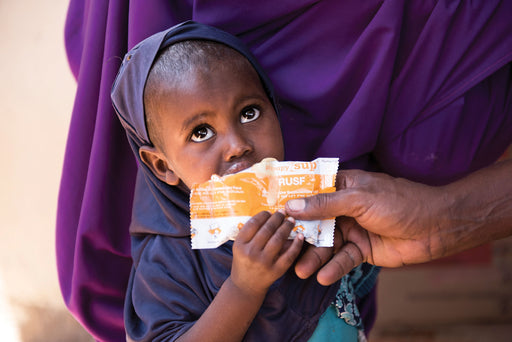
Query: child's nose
point(237, 146)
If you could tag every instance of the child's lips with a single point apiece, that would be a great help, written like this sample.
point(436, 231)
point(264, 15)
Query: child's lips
point(237, 167)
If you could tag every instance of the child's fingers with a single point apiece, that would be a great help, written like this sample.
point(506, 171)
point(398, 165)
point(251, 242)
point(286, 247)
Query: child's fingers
point(279, 238)
point(286, 259)
point(252, 226)
point(268, 229)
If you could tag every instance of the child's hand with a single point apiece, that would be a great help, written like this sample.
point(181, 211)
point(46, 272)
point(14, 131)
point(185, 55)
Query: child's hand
point(261, 253)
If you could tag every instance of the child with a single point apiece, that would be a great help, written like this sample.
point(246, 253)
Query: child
point(194, 102)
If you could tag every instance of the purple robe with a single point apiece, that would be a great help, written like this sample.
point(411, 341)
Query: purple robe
point(418, 89)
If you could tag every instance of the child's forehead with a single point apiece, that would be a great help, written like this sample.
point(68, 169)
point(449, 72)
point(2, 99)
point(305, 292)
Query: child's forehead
point(128, 91)
point(179, 68)
point(223, 80)
point(204, 54)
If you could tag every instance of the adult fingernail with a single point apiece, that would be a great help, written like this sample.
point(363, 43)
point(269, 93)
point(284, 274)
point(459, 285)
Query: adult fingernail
point(296, 204)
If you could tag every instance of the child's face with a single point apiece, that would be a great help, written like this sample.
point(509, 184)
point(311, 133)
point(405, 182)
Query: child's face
point(218, 122)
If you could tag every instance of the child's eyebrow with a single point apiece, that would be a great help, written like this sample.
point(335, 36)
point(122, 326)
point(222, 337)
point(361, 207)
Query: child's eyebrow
point(252, 97)
point(191, 120)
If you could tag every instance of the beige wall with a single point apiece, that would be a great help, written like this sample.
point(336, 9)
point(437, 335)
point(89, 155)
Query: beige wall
point(37, 91)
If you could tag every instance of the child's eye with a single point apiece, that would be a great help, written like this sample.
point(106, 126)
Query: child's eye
point(249, 114)
point(201, 133)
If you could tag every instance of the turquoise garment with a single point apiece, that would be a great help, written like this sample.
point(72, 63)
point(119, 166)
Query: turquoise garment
point(342, 320)
point(331, 328)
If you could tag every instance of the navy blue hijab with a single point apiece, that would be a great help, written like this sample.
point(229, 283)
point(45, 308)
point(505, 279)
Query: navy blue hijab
point(170, 284)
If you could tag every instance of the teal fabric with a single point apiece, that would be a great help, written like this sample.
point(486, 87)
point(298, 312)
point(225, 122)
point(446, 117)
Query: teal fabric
point(364, 278)
point(332, 328)
point(345, 303)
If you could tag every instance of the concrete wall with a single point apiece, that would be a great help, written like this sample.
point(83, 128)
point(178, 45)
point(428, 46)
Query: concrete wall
point(37, 91)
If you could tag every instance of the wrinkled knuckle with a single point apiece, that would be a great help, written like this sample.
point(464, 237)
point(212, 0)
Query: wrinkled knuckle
point(282, 234)
point(318, 260)
point(351, 180)
point(279, 237)
point(267, 229)
point(354, 253)
point(341, 269)
point(251, 254)
point(320, 201)
point(341, 182)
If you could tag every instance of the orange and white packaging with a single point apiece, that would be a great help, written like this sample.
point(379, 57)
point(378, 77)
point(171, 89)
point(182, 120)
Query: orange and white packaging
point(220, 207)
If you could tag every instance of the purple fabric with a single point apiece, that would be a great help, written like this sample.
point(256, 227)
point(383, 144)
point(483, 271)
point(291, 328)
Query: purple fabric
point(419, 89)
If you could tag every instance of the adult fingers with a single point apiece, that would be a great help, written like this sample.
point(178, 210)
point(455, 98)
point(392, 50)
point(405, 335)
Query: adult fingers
point(349, 250)
point(312, 260)
point(315, 257)
point(350, 199)
point(323, 206)
point(348, 257)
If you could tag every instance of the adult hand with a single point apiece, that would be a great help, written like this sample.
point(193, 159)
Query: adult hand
point(391, 222)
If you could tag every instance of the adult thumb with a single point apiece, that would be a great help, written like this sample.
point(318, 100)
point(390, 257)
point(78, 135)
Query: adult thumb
point(321, 206)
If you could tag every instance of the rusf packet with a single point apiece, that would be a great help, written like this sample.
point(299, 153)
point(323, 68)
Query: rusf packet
point(220, 207)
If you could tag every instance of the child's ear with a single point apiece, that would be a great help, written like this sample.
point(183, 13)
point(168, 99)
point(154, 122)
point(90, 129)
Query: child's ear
point(157, 163)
